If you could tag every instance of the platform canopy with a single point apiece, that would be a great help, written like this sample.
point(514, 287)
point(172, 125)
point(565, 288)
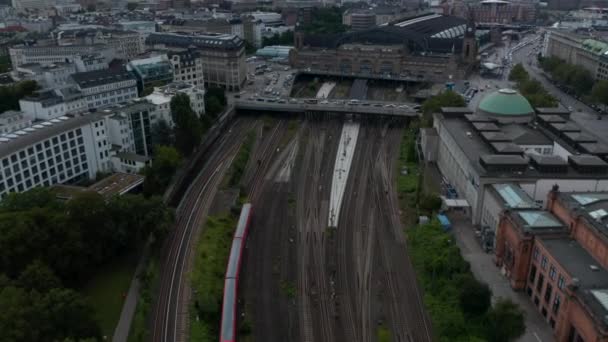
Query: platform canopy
point(455, 202)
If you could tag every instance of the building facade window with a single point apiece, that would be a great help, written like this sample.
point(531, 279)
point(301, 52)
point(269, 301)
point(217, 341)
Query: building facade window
point(543, 263)
point(552, 272)
point(560, 282)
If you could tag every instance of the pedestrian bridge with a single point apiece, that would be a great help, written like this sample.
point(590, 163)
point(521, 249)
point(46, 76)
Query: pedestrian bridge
point(308, 105)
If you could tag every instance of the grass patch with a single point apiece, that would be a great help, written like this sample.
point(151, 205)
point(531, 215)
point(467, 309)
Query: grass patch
point(240, 162)
point(287, 288)
point(408, 174)
point(207, 277)
point(291, 200)
point(106, 291)
point(342, 89)
point(383, 334)
point(458, 304)
point(148, 280)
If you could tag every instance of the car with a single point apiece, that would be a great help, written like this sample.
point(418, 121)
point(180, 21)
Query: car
point(282, 101)
point(417, 107)
point(377, 104)
point(324, 102)
point(286, 68)
point(365, 104)
point(390, 105)
point(293, 101)
point(260, 99)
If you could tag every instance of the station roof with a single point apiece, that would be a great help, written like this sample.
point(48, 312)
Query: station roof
point(428, 32)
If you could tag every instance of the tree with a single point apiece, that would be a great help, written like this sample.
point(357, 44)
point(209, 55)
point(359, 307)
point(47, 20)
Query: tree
point(505, 322)
point(188, 129)
point(218, 93)
point(285, 38)
point(162, 134)
point(445, 99)
point(599, 93)
point(213, 107)
point(69, 315)
point(325, 20)
point(10, 95)
point(518, 74)
point(38, 276)
point(475, 297)
point(131, 6)
point(430, 202)
point(17, 315)
point(160, 173)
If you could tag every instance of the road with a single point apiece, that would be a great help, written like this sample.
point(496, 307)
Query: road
point(170, 312)
point(526, 55)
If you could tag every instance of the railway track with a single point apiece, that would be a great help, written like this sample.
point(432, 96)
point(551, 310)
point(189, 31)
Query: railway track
point(170, 312)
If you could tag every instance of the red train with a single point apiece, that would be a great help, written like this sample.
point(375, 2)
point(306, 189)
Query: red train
point(231, 282)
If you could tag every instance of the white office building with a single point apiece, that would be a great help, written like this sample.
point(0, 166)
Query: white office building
point(102, 88)
point(12, 121)
point(49, 54)
point(50, 104)
point(61, 150)
point(161, 100)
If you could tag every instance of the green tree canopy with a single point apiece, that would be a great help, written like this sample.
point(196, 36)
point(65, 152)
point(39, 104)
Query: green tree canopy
point(599, 92)
point(505, 322)
point(475, 297)
point(325, 20)
point(285, 38)
point(188, 129)
point(518, 74)
point(160, 173)
point(11, 94)
point(48, 247)
point(445, 99)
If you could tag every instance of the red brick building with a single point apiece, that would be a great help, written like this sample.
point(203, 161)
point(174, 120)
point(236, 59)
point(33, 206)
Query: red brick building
point(559, 258)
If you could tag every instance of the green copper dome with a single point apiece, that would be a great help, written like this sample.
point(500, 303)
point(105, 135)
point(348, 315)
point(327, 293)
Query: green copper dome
point(506, 102)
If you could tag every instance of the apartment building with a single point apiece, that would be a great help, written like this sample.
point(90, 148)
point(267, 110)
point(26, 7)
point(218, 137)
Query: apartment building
point(223, 55)
point(161, 100)
point(12, 120)
point(127, 44)
point(53, 103)
point(591, 54)
point(68, 149)
point(151, 71)
point(102, 88)
point(61, 150)
point(49, 54)
point(187, 67)
point(558, 258)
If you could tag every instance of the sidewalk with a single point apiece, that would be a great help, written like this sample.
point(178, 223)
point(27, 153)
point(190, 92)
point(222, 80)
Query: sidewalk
point(482, 266)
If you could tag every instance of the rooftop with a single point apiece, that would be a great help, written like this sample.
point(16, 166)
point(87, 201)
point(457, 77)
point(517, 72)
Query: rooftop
point(220, 40)
point(95, 78)
point(505, 102)
point(41, 131)
point(115, 184)
point(591, 205)
point(514, 197)
point(427, 32)
point(480, 142)
point(592, 278)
